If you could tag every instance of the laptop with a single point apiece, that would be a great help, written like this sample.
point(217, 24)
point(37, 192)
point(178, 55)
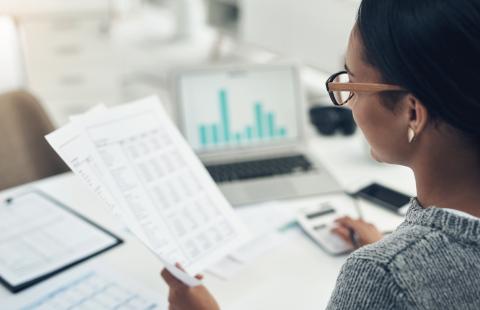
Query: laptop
point(247, 125)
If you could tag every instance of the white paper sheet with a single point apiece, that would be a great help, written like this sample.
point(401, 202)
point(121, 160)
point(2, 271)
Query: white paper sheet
point(87, 288)
point(258, 247)
point(38, 237)
point(159, 187)
point(226, 269)
point(266, 222)
point(267, 217)
point(82, 158)
point(79, 154)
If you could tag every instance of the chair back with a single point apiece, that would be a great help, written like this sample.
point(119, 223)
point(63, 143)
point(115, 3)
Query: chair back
point(25, 155)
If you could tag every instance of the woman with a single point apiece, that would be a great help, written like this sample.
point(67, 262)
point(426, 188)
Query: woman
point(414, 89)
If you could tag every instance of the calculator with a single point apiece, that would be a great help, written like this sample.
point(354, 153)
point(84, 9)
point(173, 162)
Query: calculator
point(318, 221)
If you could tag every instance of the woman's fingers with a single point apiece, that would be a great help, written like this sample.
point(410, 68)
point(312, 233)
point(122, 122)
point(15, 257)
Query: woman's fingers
point(198, 276)
point(183, 297)
point(170, 279)
point(342, 219)
point(365, 232)
point(177, 264)
point(348, 222)
point(343, 233)
point(345, 221)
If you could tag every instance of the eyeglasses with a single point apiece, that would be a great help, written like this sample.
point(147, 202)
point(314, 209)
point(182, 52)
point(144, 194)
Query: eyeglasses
point(341, 91)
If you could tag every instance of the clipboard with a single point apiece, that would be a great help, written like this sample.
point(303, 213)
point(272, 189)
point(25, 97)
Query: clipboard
point(28, 221)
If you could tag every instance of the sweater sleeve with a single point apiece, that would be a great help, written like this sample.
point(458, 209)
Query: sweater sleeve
point(365, 284)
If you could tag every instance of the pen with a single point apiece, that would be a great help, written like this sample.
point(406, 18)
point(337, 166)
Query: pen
point(356, 204)
point(354, 238)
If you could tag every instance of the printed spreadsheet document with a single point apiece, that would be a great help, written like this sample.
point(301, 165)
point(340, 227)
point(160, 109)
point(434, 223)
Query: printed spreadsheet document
point(134, 158)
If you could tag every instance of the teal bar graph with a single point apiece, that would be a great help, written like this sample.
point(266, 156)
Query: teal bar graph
point(238, 137)
point(263, 126)
point(271, 124)
point(249, 133)
point(225, 115)
point(203, 135)
point(259, 120)
point(215, 134)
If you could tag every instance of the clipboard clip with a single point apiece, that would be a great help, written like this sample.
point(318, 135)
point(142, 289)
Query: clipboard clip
point(8, 201)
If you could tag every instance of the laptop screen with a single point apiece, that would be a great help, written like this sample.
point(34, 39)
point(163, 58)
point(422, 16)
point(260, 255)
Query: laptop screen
point(231, 109)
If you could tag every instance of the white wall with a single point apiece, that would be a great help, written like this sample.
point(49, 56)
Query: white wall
point(315, 31)
point(11, 65)
point(41, 7)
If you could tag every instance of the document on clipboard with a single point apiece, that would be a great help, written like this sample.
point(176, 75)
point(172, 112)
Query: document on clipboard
point(40, 237)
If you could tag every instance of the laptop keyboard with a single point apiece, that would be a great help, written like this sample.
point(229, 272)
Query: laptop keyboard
point(259, 168)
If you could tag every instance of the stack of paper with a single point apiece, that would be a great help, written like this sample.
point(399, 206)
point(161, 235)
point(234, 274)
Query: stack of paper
point(268, 223)
point(134, 158)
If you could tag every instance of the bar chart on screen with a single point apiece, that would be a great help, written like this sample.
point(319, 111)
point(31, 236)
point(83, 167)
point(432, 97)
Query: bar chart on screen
point(224, 110)
point(263, 125)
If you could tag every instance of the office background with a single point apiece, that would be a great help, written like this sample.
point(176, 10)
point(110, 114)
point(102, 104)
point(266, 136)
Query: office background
point(74, 55)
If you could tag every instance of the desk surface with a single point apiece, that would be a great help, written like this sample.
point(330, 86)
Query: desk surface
point(295, 275)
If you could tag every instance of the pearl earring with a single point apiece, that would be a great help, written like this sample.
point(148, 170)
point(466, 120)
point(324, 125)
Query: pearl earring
point(411, 135)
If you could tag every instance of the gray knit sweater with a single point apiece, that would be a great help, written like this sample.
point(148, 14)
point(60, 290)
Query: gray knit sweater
point(432, 261)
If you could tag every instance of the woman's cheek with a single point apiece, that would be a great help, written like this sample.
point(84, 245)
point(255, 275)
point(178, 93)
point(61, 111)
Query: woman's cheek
point(367, 123)
point(360, 118)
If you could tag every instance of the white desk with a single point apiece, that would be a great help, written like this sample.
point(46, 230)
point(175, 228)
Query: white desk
point(295, 275)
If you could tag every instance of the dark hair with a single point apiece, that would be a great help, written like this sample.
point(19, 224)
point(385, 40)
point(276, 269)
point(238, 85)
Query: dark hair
point(432, 49)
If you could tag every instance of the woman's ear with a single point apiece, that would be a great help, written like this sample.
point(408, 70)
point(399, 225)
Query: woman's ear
point(417, 115)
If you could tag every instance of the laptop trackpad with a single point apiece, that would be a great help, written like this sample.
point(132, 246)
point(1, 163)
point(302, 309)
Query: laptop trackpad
point(271, 188)
point(259, 190)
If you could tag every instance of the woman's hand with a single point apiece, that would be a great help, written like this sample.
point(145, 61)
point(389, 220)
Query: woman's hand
point(366, 233)
point(183, 297)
